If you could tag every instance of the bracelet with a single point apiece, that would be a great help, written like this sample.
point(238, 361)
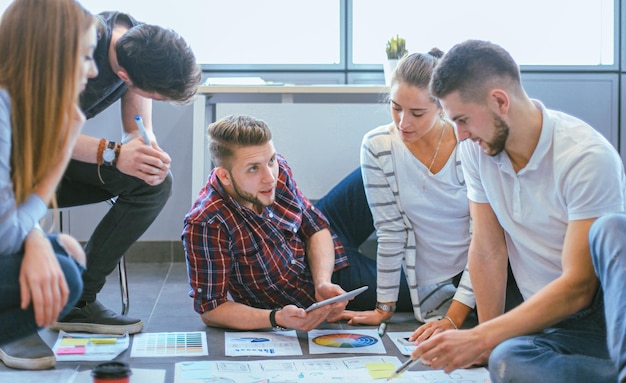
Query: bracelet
point(99, 159)
point(451, 322)
point(101, 145)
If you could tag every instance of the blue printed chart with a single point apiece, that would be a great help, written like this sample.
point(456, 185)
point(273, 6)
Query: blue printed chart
point(262, 343)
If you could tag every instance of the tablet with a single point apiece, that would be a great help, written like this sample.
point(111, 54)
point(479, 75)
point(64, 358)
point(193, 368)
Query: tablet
point(338, 298)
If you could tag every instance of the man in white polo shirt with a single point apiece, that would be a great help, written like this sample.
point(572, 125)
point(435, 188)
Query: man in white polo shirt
point(537, 179)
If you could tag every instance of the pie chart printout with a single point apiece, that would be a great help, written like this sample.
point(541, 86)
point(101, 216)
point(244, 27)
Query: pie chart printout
point(345, 340)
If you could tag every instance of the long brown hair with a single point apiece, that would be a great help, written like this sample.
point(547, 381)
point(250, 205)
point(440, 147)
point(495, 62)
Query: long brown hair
point(39, 49)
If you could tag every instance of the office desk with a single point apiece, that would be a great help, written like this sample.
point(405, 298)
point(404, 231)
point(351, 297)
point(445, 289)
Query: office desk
point(204, 110)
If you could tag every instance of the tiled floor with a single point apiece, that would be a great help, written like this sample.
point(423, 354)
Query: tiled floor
point(158, 295)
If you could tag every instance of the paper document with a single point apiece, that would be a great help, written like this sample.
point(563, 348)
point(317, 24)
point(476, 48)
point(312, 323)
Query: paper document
point(278, 343)
point(71, 347)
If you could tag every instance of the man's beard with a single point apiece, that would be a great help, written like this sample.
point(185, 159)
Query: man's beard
point(496, 146)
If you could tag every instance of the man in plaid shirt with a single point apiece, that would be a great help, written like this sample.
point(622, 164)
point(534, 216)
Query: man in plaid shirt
point(253, 235)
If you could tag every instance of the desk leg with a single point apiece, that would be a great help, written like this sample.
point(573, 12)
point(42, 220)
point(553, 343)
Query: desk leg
point(198, 145)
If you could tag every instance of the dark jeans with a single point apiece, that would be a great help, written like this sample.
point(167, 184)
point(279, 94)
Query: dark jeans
point(16, 323)
point(137, 206)
point(573, 350)
point(345, 206)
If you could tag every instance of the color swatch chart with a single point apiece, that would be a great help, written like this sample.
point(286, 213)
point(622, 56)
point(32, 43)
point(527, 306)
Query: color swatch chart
point(169, 344)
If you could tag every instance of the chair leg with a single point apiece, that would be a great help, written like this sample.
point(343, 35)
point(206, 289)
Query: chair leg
point(121, 267)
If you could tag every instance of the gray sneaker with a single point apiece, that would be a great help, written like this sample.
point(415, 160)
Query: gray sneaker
point(30, 353)
point(97, 319)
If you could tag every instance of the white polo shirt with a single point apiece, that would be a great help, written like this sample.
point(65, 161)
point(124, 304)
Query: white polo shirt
point(574, 173)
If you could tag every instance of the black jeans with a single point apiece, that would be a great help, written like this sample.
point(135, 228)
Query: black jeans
point(137, 206)
point(345, 206)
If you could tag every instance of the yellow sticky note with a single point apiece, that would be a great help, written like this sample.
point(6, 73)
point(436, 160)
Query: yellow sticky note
point(74, 341)
point(380, 370)
point(103, 340)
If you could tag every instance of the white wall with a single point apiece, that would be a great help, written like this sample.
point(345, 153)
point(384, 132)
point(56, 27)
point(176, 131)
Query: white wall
point(321, 142)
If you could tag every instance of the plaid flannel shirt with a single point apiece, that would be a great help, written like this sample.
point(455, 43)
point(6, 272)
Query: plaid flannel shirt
point(259, 260)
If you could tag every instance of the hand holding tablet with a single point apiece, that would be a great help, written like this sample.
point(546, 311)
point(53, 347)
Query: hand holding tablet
point(338, 298)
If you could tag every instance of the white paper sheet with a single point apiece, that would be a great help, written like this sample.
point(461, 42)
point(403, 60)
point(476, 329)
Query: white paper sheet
point(336, 370)
point(279, 343)
point(169, 344)
point(399, 339)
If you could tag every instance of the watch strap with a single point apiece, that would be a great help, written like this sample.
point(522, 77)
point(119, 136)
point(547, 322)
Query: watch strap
point(273, 323)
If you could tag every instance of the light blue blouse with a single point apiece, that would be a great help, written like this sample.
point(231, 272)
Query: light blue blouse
point(15, 221)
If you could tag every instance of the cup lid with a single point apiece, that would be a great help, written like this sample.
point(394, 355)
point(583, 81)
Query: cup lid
point(111, 370)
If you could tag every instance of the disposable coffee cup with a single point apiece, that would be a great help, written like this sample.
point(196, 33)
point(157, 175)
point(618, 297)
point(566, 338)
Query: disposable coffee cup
point(111, 372)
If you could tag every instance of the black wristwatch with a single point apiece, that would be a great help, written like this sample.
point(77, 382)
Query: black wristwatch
point(273, 323)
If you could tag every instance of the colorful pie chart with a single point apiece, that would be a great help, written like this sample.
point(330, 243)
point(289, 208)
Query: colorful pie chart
point(345, 340)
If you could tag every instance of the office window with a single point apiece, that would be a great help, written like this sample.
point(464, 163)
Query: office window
point(535, 32)
point(288, 34)
point(245, 32)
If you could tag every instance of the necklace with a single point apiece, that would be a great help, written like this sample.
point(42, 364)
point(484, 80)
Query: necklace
point(436, 151)
point(434, 157)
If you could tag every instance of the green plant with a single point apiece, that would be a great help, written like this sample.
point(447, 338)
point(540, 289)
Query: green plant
point(396, 47)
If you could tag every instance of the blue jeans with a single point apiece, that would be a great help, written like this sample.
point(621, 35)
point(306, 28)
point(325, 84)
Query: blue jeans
point(16, 323)
point(137, 206)
point(607, 240)
point(345, 206)
point(573, 350)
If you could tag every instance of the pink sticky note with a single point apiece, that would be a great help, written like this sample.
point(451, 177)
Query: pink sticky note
point(71, 350)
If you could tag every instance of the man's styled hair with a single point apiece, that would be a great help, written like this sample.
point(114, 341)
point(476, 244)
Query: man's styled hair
point(159, 60)
point(232, 132)
point(472, 68)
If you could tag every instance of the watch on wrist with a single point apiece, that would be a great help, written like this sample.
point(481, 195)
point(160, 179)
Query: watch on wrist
point(273, 323)
point(386, 308)
point(109, 155)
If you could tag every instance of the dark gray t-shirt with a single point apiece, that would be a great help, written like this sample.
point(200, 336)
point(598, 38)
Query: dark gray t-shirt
point(103, 90)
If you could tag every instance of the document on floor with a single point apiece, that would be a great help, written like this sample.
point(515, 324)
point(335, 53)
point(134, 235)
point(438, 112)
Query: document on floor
point(74, 347)
point(366, 341)
point(57, 375)
point(464, 375)
point(362, 369)
point(275, 343)
point(151, 344)
point(401, 340)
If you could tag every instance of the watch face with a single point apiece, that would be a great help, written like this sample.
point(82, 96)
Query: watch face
point(108, 155)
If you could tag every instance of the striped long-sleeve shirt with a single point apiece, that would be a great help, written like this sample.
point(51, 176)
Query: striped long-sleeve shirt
point(397, 234)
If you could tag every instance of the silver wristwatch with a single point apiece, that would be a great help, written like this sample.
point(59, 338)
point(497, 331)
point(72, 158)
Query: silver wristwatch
point(386, 308)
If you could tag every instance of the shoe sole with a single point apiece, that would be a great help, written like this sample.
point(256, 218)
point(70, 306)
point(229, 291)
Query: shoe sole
point(42, 363)
point(97, 328)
